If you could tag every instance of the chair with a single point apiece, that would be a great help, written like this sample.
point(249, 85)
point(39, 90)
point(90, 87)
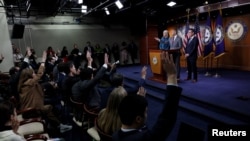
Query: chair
point(28, 113)
point(24, 114)
point(77, 111)
point(32, 126)
point(91, 114)
point(36, 137)
point(94, 134)
point(103, 136)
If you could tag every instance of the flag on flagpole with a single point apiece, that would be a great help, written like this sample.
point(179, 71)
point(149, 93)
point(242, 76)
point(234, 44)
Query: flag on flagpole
point(185, 39)
point(208, 37)
point(219, 36)
point(198, 35)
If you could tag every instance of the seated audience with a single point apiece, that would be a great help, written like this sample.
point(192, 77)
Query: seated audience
point(84, 91)
point(116, 81)
point(32, 94)
point(17, 57)
point(9, 123)
point(108, 119)
point(133, 112)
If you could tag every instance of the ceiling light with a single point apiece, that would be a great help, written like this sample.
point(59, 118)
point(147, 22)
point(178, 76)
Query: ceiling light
point(119, 4)
point(171, 4)
point(107, 11)
point(84, 8)
point(80, 1)
point(28, 8)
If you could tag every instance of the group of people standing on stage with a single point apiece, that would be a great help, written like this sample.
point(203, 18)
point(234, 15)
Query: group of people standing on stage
point(174, 44)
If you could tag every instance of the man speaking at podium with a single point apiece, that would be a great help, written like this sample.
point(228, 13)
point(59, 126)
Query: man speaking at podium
point(176, 44)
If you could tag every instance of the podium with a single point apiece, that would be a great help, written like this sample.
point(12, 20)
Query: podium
point(156, 65)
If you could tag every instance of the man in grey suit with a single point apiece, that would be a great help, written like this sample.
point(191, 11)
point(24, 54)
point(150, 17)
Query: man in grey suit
point(176, 44)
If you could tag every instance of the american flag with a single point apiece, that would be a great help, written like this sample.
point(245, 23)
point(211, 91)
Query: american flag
point(198, 35)
point(185, 39)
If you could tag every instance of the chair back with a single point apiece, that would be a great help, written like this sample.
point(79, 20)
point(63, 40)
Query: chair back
point(32, 126)
point(103, 136)
point(36, 137)
point(91, 111)
point(76, 104)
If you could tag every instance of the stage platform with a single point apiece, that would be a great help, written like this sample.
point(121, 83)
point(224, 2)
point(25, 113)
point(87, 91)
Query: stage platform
point(224, 99)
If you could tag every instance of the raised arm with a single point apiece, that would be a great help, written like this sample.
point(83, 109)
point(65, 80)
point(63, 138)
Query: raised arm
point(42, 66)
point(167, 118)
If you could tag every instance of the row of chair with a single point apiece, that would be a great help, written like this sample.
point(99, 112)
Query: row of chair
point(91, 115)
point(32, 126)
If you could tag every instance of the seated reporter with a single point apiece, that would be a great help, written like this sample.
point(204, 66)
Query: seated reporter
point(133, 112)
point(85, 91)
point(9, 123)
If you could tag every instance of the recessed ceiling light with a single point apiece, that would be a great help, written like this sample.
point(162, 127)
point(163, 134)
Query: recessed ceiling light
point(171, 3)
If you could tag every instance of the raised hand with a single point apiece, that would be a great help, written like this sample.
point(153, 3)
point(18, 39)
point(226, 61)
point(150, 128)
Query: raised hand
point(144, 72)
point(169, 64)
point(88, 56)
point(106, 58)
point(142, 91)
point(44, 56)
point(28, 52)
point(14, 123)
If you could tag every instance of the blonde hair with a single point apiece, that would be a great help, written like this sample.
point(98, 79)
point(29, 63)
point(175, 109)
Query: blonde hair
point(108, 120)
point(25, 75)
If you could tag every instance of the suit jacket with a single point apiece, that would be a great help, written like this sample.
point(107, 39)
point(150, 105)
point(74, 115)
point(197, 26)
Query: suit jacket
point(163, 125)
point(175, 44)
point(86, 91)
point(192, 48)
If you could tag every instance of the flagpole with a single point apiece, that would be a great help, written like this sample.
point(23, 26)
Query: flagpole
point(218, 56)
point(208, 57)
point(187, 10)
point(207, 65)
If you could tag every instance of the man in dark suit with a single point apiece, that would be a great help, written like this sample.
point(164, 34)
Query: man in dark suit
point(133, 112)
point(191, 55)
point(85, 90)
point(176, 44)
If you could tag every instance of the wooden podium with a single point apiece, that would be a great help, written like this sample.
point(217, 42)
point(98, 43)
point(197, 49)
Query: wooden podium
point(156, 65)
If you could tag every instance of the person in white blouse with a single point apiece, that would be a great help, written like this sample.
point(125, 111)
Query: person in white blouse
point(8, 123)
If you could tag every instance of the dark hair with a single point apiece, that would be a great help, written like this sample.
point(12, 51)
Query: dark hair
point(117, 79)
point(131, 107)
point(191, 29)
point(124, 43)
point(6, 110)
point(61, 67)
point(12, 70)
point(68, 66)
point(86, 73)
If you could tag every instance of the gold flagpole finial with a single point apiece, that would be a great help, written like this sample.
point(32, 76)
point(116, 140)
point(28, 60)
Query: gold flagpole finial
point(220, 8)
point(197, 11)
point(208, 10)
